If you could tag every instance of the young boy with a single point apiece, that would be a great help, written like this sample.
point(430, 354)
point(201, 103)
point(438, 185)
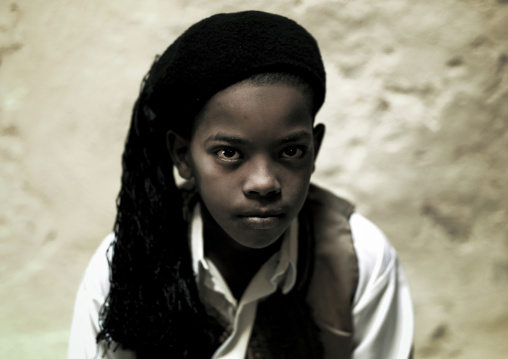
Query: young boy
point(247, 259)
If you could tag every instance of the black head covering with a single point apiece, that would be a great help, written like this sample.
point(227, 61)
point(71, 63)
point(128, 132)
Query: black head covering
point(224, 49)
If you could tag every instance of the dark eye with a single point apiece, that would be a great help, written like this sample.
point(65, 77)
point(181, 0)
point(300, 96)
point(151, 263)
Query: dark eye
point(293, 152)
point(228, 154)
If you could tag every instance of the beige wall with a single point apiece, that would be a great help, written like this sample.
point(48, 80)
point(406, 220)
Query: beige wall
point(417, 116)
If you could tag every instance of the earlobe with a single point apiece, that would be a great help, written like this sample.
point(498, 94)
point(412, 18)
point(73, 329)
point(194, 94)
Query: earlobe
point(179, 149)
point(318, 133)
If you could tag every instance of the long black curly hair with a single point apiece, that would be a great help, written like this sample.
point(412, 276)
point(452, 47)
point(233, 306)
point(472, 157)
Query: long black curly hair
point(153, 296)
point(153, 305)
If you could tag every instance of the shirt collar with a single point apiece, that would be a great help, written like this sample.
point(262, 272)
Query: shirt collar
point(284, 273)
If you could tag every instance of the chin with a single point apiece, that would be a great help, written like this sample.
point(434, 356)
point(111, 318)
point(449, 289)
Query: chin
point(260, 241)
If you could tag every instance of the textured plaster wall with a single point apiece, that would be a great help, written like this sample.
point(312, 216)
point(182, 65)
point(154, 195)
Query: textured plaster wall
point(417, 116)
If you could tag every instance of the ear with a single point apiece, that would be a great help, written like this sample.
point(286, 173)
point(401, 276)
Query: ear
point(319, 133)
point(179, 150)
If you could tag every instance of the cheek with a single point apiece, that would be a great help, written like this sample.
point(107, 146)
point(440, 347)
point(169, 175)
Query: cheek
point(212, 181)
point(209, 174)
point(296, 186)
point(300, 173)
point(297, 182)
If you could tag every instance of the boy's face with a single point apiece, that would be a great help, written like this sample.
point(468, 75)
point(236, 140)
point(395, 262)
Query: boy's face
point(252, 154)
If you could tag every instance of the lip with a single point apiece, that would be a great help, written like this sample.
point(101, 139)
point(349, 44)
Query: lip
point(262, 213)
point(267, 222)
point(262, 219)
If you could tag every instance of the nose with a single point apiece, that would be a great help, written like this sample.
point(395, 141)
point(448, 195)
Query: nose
point(261, 179)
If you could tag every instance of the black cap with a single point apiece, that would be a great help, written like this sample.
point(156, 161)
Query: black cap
point(222, 50)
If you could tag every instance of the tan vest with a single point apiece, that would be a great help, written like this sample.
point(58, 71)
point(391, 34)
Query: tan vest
point(335, 277)
point(314, 320)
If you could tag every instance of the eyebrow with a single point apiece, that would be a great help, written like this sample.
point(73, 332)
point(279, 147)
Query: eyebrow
point(293, 137)
point(297, 136)
point(222, 137)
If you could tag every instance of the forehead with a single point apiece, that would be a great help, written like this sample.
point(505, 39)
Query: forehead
point(252, 109)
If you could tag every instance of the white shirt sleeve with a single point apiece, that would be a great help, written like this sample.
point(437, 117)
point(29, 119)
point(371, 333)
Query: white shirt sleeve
point(85, 322)
point(382, 309)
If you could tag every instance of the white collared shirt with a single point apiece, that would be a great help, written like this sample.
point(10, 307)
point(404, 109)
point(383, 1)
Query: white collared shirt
point(382, 308)
point(279, 271)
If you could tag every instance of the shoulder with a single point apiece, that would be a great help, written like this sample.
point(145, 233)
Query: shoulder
point(329, 218)
point(350, 241)
point(321, 199)
point(377, 258)
point(91, 294)
point(369, 241)
point(382, 306)
point(335, 264)
point(96, 278)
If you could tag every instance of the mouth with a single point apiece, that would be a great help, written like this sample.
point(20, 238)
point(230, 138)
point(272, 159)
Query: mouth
point(262, 219)
point(262, 214)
